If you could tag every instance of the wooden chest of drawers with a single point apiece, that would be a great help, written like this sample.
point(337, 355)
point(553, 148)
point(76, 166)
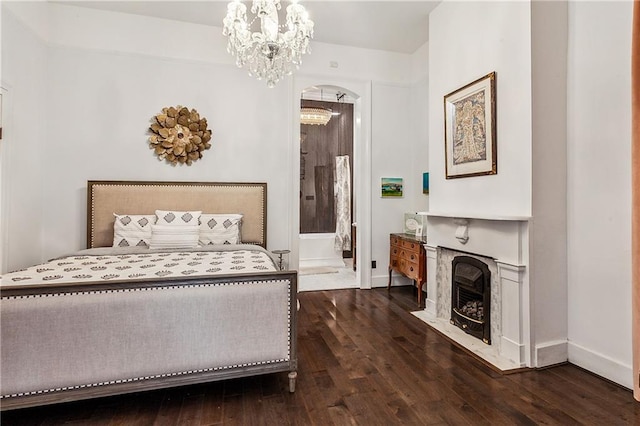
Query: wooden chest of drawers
point(407, 256)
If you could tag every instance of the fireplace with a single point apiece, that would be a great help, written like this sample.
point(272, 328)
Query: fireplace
point(502, 244)
point(471, 297)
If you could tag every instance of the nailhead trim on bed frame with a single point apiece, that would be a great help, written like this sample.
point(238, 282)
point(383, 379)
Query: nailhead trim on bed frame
point(177, 185)
point(125, 290)
point(138, 379)
point(159, 376)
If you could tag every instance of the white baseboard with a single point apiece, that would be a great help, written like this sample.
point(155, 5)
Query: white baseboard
point(396, 280)
point(377, 281)
point(550, 353)
point(512, 350)
point(331, 262)
point(601, 365)
point(430, 307)
point(380, 281)
point(313, 285)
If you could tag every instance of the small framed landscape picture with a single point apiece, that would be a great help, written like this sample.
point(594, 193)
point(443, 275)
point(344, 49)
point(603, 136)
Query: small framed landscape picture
point(391, 187)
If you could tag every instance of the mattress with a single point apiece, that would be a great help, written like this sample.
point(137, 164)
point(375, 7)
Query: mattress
point(139, 263)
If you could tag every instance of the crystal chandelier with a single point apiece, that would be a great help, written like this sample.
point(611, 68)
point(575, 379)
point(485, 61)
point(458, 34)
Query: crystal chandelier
point(318, 116)
point(269, 53)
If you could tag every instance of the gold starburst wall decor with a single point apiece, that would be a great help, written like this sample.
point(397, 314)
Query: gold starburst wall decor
point(179, 135)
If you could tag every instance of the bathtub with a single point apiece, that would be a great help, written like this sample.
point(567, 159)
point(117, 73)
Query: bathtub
point(317, 250)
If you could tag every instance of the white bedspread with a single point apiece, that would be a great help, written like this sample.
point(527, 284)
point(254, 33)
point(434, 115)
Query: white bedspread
point(105, 264)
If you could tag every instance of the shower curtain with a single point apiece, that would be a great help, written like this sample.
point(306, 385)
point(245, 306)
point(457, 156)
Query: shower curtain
point(342, 194)
point(635, 170)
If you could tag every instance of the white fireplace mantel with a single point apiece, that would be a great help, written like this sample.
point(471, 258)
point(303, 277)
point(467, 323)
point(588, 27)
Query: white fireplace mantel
point(500, 237)
point(505, 239)
point(478, 216)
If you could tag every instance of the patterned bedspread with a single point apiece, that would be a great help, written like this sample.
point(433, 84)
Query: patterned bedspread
point(106, 264)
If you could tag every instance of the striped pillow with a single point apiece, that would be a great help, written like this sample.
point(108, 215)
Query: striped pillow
point(168, 236)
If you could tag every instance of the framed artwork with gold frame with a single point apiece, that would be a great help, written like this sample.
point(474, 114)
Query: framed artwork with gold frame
point(470, 129)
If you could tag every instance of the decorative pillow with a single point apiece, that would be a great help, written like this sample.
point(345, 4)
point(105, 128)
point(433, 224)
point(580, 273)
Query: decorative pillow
point(132, 230)
point(178, 218)
point(169, 236)
point(220, 229)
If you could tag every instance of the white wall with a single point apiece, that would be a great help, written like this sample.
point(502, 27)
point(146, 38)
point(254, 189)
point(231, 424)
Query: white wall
point(392, 146)
point(419, 113)
point(24, 141)
point(599, 188)
point(113, 31)
point(109, 73)
point(486, 37)
point(400, 148)
point(3, 227)
point(548, 226)
point(102, 103)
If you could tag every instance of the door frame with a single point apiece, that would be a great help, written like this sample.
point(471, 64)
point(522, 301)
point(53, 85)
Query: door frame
point(5, 109)
point(361, 172)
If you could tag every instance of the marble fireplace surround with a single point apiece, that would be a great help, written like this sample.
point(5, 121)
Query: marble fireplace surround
point(502, 243)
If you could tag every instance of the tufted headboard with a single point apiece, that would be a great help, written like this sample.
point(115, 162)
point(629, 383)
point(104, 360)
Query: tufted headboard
point(104, 198)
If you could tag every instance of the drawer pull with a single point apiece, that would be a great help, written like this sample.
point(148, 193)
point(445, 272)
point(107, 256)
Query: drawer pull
point(411, 269)
point(413, 257)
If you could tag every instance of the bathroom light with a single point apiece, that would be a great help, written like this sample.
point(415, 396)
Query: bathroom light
point(316, 116)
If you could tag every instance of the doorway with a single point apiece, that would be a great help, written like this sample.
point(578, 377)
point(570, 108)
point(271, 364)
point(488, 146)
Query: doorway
point(326, 187)
point(334, 95)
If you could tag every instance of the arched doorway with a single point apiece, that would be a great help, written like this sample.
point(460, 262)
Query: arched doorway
point(359, 94)
point(327, 207)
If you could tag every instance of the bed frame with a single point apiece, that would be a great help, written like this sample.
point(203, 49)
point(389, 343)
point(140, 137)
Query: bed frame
point(27, 311)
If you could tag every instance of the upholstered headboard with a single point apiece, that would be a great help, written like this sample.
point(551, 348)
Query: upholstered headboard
point(104, 198)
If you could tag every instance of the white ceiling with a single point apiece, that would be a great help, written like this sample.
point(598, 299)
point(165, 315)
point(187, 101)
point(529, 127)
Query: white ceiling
point(397, 26)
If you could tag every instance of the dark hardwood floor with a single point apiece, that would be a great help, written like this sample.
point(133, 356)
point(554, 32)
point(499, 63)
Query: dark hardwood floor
point(365, 360)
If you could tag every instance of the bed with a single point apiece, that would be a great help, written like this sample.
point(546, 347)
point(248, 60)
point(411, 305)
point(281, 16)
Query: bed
point(110, 320)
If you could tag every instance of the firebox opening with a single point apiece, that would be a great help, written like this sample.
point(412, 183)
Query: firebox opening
point(471, 296)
